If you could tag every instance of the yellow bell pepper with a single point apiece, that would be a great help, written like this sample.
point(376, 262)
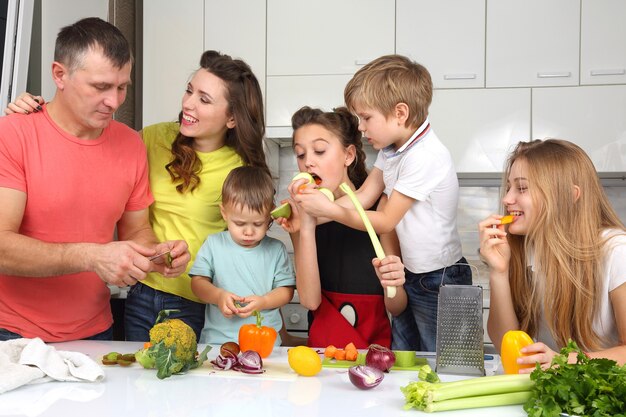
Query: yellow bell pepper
point(512, 342)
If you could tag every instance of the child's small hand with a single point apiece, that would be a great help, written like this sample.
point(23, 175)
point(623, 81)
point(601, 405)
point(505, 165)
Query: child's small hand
point(390, 271)
point(292, 224)
point(252, 303)
point(314, 202)
point(229, 304)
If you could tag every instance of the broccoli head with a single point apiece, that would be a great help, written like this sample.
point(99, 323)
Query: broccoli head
point(172, 347)
point(176, 334)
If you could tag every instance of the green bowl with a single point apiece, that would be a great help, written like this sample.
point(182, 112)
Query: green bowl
point(404, 358)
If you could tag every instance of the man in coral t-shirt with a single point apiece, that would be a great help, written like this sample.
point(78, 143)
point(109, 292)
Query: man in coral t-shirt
point(68, 176)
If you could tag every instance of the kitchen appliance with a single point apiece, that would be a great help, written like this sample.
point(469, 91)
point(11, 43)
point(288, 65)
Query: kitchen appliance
point(460, 348)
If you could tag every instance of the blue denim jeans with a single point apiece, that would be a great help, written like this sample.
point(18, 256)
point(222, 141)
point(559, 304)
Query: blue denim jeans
point(105, 335)
point(143, 304)
point(416, 327)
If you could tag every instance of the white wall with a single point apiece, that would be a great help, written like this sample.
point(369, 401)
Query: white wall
point(55, 15)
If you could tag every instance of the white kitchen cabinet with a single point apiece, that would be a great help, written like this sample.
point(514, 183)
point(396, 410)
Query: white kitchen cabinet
point(603, 42)
point(237, 28)
point(54, 16)
point(590, 116)
point(480, 126)
point(314, 48)
point(172, 45)
point(327, 36)
point(532, 43)
point(447, 37)
point(285, 95)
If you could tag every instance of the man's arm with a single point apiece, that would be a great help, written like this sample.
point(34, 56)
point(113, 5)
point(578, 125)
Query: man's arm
point(118, 263)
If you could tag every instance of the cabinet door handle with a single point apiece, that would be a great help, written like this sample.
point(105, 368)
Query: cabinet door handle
point(362, 61)
point(607, 72)
point(563, 74)
point(459, 76)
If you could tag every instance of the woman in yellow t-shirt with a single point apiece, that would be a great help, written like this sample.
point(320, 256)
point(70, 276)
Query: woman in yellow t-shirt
point(220, 127)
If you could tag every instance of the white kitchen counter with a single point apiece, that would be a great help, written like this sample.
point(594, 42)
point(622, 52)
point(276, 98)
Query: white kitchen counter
point(134, 391)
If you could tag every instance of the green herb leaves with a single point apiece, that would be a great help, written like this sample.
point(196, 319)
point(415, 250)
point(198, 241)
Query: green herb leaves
point(590, 387)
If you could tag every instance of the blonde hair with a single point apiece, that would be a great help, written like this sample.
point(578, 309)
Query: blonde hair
point(389, 80)
point(249, 187)
point(565, 240)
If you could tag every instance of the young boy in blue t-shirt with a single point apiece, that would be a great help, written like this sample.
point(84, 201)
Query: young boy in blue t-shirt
point(241, 270)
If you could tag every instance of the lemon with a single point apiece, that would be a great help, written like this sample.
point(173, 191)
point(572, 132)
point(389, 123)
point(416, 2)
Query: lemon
point(304, 360)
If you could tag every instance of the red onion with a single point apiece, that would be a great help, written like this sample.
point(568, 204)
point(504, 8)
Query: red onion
point(250, 362)
point(224, 363)
point(229, 349)
point(365, 377)
point(380, 357)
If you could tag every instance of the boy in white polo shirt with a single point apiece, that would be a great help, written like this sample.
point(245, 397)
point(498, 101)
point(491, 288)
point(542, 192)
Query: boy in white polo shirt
point(416, 175)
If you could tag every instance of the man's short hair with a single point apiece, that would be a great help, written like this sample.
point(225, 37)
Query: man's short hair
point(91, 33)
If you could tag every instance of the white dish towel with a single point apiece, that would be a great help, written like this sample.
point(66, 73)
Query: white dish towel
point(28, 361)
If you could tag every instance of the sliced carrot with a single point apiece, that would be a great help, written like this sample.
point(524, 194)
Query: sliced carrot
point(340, 355)
point(329, 352)
point(351, 354)
point(147, 345)
point(350, 346)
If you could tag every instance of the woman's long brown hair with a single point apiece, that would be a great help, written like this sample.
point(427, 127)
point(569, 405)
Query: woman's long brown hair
point(565, 240)
point(245, 104)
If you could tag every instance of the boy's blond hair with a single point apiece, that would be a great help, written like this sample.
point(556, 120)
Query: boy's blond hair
point(249, 187)
point(389, 80)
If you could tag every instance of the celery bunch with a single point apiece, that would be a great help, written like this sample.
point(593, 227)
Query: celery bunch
point(486, 391)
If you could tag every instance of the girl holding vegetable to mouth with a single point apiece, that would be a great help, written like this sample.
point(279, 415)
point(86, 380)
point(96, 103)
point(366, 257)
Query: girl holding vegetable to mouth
point(559, 271)
point(337, 275)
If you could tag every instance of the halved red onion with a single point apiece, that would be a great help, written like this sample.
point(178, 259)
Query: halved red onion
point(250, 362)
point(380, 357)
point(365, 377)
point(224, 363)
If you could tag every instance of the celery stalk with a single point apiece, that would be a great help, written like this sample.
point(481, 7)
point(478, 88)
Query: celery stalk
point(488, 385)
point(495, 400)
point(380, 254)
point(468, 393)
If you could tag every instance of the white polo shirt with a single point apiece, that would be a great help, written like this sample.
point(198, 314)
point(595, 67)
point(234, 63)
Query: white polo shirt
point(423, 170)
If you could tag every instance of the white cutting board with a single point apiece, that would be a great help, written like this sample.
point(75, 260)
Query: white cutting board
point(273, 371)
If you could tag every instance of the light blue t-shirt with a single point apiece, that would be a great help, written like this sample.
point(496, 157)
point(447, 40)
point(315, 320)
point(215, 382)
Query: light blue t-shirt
point(242, 271)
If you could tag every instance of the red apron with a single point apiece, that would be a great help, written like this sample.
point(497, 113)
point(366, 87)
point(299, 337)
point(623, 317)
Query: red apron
point(371, 323)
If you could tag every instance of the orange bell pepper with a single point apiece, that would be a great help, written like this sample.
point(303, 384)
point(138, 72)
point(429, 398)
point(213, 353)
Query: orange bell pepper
point(257, 337)
point(512, 342)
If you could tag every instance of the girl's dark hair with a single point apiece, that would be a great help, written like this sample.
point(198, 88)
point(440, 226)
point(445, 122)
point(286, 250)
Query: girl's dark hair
point(245, 104)
point(345, 126)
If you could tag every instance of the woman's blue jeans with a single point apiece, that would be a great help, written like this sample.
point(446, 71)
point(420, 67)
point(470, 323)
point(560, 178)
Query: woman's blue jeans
point(143, 304)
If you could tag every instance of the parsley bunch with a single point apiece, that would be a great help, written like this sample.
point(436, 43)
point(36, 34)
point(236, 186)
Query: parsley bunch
point(590, 387)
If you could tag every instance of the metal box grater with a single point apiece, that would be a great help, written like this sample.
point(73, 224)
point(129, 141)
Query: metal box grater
point(460, 348)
